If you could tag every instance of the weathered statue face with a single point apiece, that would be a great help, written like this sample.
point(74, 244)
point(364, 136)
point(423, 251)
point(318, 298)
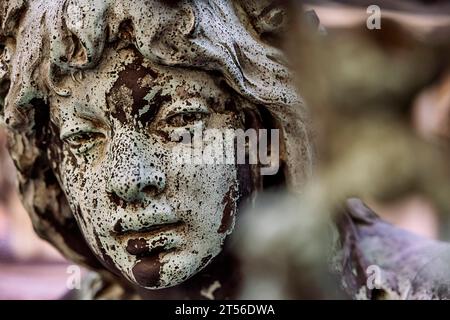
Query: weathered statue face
point(154, 220)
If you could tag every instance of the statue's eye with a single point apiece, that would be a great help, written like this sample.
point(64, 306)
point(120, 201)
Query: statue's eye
point(185, 119)
point(84, 141)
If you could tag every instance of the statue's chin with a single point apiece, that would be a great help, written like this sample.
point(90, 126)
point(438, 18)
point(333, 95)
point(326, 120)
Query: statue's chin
point(148, 279)
point(163, 285)
point(153, 273)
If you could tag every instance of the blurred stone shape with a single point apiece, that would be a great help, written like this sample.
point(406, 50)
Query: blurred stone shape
point(409, 266)
point(285, 245)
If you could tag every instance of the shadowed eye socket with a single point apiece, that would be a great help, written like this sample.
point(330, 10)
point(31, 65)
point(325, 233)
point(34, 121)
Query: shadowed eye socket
point(82, 142)
point(187, 118)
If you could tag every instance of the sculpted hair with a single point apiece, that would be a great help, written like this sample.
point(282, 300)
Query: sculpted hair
point(42, 40)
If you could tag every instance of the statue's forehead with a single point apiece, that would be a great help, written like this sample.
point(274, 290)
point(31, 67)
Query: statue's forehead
point(125, 72)
point(127, 67)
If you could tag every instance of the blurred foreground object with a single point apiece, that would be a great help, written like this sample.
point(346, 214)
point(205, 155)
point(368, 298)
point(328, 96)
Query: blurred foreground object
point(373, 142)
point(361, 85)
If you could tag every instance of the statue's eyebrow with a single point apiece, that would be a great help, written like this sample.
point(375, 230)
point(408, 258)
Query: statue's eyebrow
point(190, 105)
point(79, 123)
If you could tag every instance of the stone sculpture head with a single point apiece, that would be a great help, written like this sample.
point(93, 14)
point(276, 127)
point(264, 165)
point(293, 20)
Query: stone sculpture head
point(95, 93)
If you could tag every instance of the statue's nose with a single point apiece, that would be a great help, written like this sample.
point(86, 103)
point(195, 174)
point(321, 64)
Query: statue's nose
point(135, 174)
point(137, 184)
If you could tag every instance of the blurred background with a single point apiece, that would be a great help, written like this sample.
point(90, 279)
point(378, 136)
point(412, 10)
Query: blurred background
point(387, 90)
point(403, 67)
point(29, 267)
point(415, 96)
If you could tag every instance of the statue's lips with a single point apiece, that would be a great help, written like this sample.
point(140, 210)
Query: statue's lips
point(148, 231)
point(146, 240)
point(147, 244)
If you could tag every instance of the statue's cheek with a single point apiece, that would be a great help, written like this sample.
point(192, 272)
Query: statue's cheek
point(229, 203)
